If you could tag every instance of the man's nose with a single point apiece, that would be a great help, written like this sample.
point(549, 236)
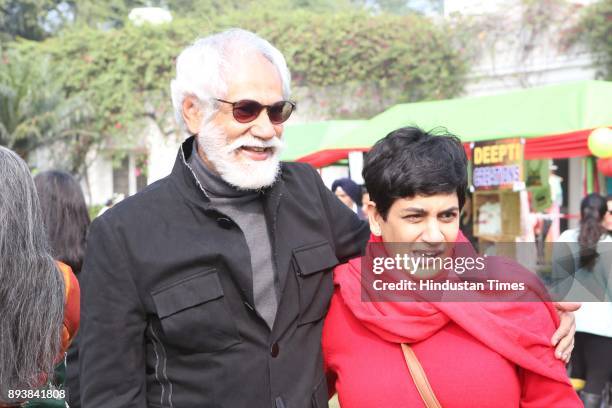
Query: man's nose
point(262, 126)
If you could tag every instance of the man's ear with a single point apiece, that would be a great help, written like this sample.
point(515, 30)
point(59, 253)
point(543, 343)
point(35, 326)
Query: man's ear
point(192, 114)
point(373, 218)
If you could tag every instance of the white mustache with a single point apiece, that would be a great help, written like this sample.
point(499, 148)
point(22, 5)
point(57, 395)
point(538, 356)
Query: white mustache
point(252, 141)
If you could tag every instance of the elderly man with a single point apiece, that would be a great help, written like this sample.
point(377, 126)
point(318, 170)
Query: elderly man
point(208, 288)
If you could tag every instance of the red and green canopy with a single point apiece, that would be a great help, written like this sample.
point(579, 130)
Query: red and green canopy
point(555, 120)
point(307, 138)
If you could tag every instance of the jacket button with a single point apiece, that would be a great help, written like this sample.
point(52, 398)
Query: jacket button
point(225, 223)
point(274, 350)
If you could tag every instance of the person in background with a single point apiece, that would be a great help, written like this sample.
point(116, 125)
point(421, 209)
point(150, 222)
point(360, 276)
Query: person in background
point(66, 221)
point(590, 270)
point(34, 289)
point(497, 352)
point(65, 216)
point(365, 199)
point(607, 221)
point(107, 205)
point(350, 194)
point(116, 199)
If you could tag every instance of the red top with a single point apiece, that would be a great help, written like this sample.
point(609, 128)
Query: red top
point(474, 354)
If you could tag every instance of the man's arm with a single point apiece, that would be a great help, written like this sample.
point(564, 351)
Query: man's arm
point(111, 337)
point(350, 234)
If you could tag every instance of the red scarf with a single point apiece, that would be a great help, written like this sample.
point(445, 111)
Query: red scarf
point(519, 331)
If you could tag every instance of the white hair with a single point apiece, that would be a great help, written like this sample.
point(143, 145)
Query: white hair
point(202, 68)
point(31, 286)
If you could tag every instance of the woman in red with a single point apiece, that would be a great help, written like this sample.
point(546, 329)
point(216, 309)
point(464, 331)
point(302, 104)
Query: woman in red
point(490, 353)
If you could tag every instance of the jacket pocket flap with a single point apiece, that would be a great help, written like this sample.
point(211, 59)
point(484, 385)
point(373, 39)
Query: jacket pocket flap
point(186, 293)
point(314, 258)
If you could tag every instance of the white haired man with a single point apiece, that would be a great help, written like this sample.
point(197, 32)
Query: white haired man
point(208, 288)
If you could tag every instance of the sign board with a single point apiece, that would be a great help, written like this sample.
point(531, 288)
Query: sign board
point(498, 164)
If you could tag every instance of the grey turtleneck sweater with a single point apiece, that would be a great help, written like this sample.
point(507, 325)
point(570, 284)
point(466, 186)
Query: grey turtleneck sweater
point(245, 208)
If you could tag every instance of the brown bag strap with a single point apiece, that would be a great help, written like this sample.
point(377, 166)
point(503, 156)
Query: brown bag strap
point(420, 378)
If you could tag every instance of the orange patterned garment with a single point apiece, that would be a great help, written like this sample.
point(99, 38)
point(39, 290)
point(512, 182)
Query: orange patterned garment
point(72, 307)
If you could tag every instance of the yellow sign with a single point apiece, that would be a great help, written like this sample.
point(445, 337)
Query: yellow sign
point(497, 164)
point(498, 153)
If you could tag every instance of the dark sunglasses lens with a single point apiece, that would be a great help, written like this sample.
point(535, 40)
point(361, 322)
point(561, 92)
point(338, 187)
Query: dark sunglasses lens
point(246, 111)
point(280, 112)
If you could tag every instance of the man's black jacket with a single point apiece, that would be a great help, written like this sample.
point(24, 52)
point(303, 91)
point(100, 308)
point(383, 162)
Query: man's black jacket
point(167, 302)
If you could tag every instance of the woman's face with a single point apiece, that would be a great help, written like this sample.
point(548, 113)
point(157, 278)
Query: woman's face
point(420, 219)
point(607, 221)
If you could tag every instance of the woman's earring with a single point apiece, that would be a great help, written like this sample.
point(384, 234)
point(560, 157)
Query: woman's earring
point(375, 230)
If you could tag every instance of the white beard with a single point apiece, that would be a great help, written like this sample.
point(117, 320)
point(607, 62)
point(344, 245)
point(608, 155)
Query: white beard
point(234, 168)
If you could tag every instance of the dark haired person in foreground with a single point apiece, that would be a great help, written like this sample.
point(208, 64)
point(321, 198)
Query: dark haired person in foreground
point(590, 254)
point(473, 353)
point(37, 294)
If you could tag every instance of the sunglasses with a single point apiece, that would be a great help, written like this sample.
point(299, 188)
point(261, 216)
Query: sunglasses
point(246, 110)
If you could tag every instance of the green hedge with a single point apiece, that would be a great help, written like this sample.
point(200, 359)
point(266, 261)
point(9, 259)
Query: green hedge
point(127, 71)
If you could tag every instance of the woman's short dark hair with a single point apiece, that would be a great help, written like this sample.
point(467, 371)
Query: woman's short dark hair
point(65, 216)
point(409, 162)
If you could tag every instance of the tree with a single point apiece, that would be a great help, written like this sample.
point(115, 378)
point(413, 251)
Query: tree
point(521, 37)
point(595, 30)
point(407, 6)
point(34, 110)
point(103, 14)
point(352, 64)
point(25, 18)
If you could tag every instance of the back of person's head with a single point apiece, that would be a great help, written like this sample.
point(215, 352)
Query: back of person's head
point(409, 162)
point(31, 286)
point(592, 211)
point(65, 216)
point(203, 68)
point(352, 189)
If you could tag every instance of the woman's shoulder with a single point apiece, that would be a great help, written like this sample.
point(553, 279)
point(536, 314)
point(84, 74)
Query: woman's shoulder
point(347, 293)
point(347, 271)
point(339, 324)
